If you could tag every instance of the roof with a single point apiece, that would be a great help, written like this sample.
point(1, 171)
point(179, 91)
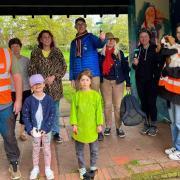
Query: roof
point(63, 7)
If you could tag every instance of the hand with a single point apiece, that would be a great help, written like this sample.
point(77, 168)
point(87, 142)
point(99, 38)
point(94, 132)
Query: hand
point(170, 39)
point(75, 129)
point(17, 107)
point(102, 36)
point(99, 128)
point(128, 89)
point(73, 84)
point(136, 61)
point(49, 80)
point(43, 132)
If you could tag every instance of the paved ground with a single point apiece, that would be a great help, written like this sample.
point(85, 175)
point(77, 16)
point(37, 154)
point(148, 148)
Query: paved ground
point(133, 157)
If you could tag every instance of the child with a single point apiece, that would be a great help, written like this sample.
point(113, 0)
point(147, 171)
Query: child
point(38, 116)
point(86, 119)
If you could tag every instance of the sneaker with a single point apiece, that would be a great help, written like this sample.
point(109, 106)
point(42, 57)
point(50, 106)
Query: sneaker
point(14, 170)
point(170, 150)
point(34, 173)
point(175, 156)
point(49, 174)
point(152, 131)
point(145, 129)
point(92, 172)
point(107, 131)
point(83, 174)
point(100, 136)
point(120, 133)
point(57, 138)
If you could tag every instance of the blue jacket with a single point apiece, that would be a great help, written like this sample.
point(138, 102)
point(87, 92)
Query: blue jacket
point(29, 110)
point(120, 67)
point(89, 59)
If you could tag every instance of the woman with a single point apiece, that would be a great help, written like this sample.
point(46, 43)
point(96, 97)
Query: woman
point(48, 60)
point(170, 90)
point(146, 74)
point(114, 71)
point(15, 45)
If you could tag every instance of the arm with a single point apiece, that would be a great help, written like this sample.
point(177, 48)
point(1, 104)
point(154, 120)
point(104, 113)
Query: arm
point(71, 64)
point(168, 52)
point(171, 71)
point(97, 42)
point(99, 112)
point(73, 112)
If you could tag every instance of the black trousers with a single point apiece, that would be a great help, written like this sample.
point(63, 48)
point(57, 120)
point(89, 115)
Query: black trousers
point(147, 92)
point(24, 96)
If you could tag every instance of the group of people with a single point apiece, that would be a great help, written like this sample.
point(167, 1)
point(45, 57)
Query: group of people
point(91, 72)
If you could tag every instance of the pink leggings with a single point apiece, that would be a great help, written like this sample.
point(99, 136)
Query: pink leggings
point(46, 139)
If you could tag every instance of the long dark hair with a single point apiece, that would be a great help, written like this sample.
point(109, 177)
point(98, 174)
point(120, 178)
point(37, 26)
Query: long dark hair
point(40, 36)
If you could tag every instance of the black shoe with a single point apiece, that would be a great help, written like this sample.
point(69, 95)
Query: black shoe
point(107, 131)
point(86, 176)
point(57, 138)
point(152, 131)
point(100, 136)
point(120, 133)
point(145, 129)
point(92, 173)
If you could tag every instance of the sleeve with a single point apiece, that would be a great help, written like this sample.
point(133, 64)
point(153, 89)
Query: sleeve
point(27, 116)
point(99, 112)
point(168, 52)
point(172, 72)
point(32, 64)
point(71, 64)
point(61, 68)
point(15, 66)
point(126, 68)
point(97, 42)
point(73, 112)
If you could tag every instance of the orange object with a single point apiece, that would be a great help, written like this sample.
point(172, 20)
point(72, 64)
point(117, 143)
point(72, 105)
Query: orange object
point(5, 80)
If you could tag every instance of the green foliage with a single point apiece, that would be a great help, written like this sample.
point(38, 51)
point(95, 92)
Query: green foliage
point(68, 91)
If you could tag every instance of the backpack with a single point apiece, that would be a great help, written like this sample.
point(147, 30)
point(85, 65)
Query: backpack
point(130, 111)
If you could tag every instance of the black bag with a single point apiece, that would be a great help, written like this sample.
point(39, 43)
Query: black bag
point(130, 111)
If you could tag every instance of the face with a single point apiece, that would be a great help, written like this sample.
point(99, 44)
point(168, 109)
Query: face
point(46, 39)
point(111, 43)
point(150, 14)
point(178, 33)
point(37, 88)
point(16, 49)
point(144, 38)
point(80, 27)
point(85, 82)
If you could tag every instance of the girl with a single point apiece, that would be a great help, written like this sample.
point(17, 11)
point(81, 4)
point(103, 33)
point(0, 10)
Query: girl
point(86, 119)
point(38, 115)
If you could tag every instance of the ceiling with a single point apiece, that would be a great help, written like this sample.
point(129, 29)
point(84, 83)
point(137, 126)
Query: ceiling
point(63, 7)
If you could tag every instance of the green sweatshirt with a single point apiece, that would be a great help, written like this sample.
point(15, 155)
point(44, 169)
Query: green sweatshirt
point(86, 113)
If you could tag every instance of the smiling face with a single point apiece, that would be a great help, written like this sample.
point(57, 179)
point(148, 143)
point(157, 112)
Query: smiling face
point(85, 82)
point(38, 88)
point(111, 43)
point(144, 38)
point(80, 27)
point(16, 49)
point(46, 40)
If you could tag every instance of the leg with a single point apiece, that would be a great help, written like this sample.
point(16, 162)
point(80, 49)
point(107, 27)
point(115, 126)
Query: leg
point(36, 151)
point(96, 83)
point(80, 154)
point(93, 155)
point(106, 90)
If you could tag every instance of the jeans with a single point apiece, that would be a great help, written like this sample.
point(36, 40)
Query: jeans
point(56, 126)
point(174, 113)
point(7, 125)
point(80, 153)
point(112, 95)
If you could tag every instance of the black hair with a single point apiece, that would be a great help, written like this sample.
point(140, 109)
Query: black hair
point(14, 41)
point(145, 30)
point(178, 25)
point(80, 19)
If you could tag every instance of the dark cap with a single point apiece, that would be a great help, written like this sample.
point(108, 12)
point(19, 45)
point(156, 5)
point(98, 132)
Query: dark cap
point(80, 19)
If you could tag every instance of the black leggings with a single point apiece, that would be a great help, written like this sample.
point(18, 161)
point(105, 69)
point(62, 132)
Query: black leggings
point(25, 95)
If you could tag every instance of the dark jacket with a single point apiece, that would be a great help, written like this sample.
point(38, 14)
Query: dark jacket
point(120, 68)
point(148, 66)
point(29, 110)
point(172, 72)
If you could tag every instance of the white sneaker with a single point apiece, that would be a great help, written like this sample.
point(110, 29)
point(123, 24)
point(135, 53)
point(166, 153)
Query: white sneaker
point(49, 174)
point(170, 150)
point(175, 156)
point(34, 173)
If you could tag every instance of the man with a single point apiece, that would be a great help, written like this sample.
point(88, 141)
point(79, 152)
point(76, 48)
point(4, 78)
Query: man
point(84, 55)
point(10, 67)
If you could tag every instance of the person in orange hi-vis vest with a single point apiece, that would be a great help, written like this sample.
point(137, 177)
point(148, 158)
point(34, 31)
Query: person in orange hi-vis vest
point(9, 67)
point(169, 87)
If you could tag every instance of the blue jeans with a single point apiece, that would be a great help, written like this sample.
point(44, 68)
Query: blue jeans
point(56, 126)
point(7, 130)
point(174, 113)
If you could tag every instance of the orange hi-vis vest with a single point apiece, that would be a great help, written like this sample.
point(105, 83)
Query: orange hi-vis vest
point(171, 84)
point(5, 80)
